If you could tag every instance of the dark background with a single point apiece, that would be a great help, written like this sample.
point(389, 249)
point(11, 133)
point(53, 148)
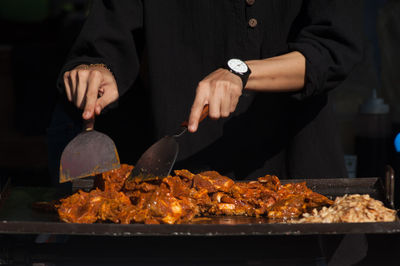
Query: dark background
point(37, 35)
point(34, 41)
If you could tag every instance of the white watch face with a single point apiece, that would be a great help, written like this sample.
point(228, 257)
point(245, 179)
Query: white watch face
point(237, 65)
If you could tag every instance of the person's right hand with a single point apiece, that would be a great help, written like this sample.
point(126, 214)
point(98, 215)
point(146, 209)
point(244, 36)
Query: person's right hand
point(91, 88)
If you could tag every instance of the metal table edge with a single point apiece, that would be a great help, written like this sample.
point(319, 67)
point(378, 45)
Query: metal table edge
point(60, 228)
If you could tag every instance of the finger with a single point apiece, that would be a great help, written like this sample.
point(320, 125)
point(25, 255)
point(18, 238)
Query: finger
point(110, 95)
point(100, 92)
point(197, 107)
point(72, 79)
point(73, 88)
point(97, 109)
point(215, 108)
point(225, 104)
point(82, 87)
point(67, 85)
point(94, 83)
point(215, 101)
point(234, 102)
point(195, 113)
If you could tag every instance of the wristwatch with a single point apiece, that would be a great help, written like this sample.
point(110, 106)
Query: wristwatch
point(239, 68)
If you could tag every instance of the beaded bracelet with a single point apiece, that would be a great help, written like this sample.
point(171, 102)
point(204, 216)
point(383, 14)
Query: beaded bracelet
point(101, 65)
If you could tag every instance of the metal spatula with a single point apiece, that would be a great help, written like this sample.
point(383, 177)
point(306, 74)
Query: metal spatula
point(158, 160)
point(89, 153)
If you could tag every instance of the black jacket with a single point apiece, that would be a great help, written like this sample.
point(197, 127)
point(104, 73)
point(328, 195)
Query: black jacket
point(166, 47)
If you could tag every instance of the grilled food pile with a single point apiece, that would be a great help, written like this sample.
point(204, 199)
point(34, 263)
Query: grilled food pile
point(184, 196)
point(351, 209)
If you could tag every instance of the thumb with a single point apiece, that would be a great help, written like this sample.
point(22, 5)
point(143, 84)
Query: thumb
point(109, 96)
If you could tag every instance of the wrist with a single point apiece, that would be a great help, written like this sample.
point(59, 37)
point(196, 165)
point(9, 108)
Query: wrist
point(238, 68)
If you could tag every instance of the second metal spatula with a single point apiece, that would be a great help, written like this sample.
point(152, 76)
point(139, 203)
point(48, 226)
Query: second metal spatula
point(158, 160)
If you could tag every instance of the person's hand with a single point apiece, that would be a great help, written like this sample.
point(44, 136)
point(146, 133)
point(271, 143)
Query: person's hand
point(221, 91)
point(91, 88)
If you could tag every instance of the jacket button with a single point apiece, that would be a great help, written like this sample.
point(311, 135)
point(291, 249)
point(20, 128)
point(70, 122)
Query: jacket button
point(253, 22)
point(250, 2)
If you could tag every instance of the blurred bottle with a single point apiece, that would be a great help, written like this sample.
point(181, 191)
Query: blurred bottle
point(396, 167)
point(373, 138)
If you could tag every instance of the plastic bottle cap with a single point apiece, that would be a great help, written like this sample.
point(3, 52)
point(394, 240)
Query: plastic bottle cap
point(397, 143)
point(374, 105)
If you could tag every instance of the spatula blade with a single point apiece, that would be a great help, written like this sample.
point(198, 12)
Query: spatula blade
point(158, 160)
point(89, 153)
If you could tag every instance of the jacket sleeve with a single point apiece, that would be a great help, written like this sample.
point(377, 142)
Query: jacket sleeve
point(107, 37)
point(330, 39)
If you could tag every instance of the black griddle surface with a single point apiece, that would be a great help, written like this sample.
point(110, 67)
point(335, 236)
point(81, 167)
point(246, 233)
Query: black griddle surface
point(18, 217)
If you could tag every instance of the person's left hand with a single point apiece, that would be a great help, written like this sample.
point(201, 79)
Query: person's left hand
point(221, 91)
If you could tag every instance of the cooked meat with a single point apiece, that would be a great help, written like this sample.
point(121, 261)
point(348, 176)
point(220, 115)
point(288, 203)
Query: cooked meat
point(270, 181)
point(219, 182)
point(83, 207)
point(295, 199)
point(114, 180)
point(212, 181)
point(351, 209)
point(181, 198)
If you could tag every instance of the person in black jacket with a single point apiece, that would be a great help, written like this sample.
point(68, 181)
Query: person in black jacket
point(265, 68)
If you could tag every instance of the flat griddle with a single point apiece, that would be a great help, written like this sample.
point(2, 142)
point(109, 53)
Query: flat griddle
point(18, 217)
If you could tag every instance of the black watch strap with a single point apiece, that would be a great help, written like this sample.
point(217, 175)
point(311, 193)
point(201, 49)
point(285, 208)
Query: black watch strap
point(243, 76)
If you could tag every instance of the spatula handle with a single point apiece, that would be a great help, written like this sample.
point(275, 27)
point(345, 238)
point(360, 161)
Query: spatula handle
point(88, 125)
point(203, 115)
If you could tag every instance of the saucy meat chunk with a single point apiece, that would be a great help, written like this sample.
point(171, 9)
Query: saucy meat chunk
point(180, 198)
